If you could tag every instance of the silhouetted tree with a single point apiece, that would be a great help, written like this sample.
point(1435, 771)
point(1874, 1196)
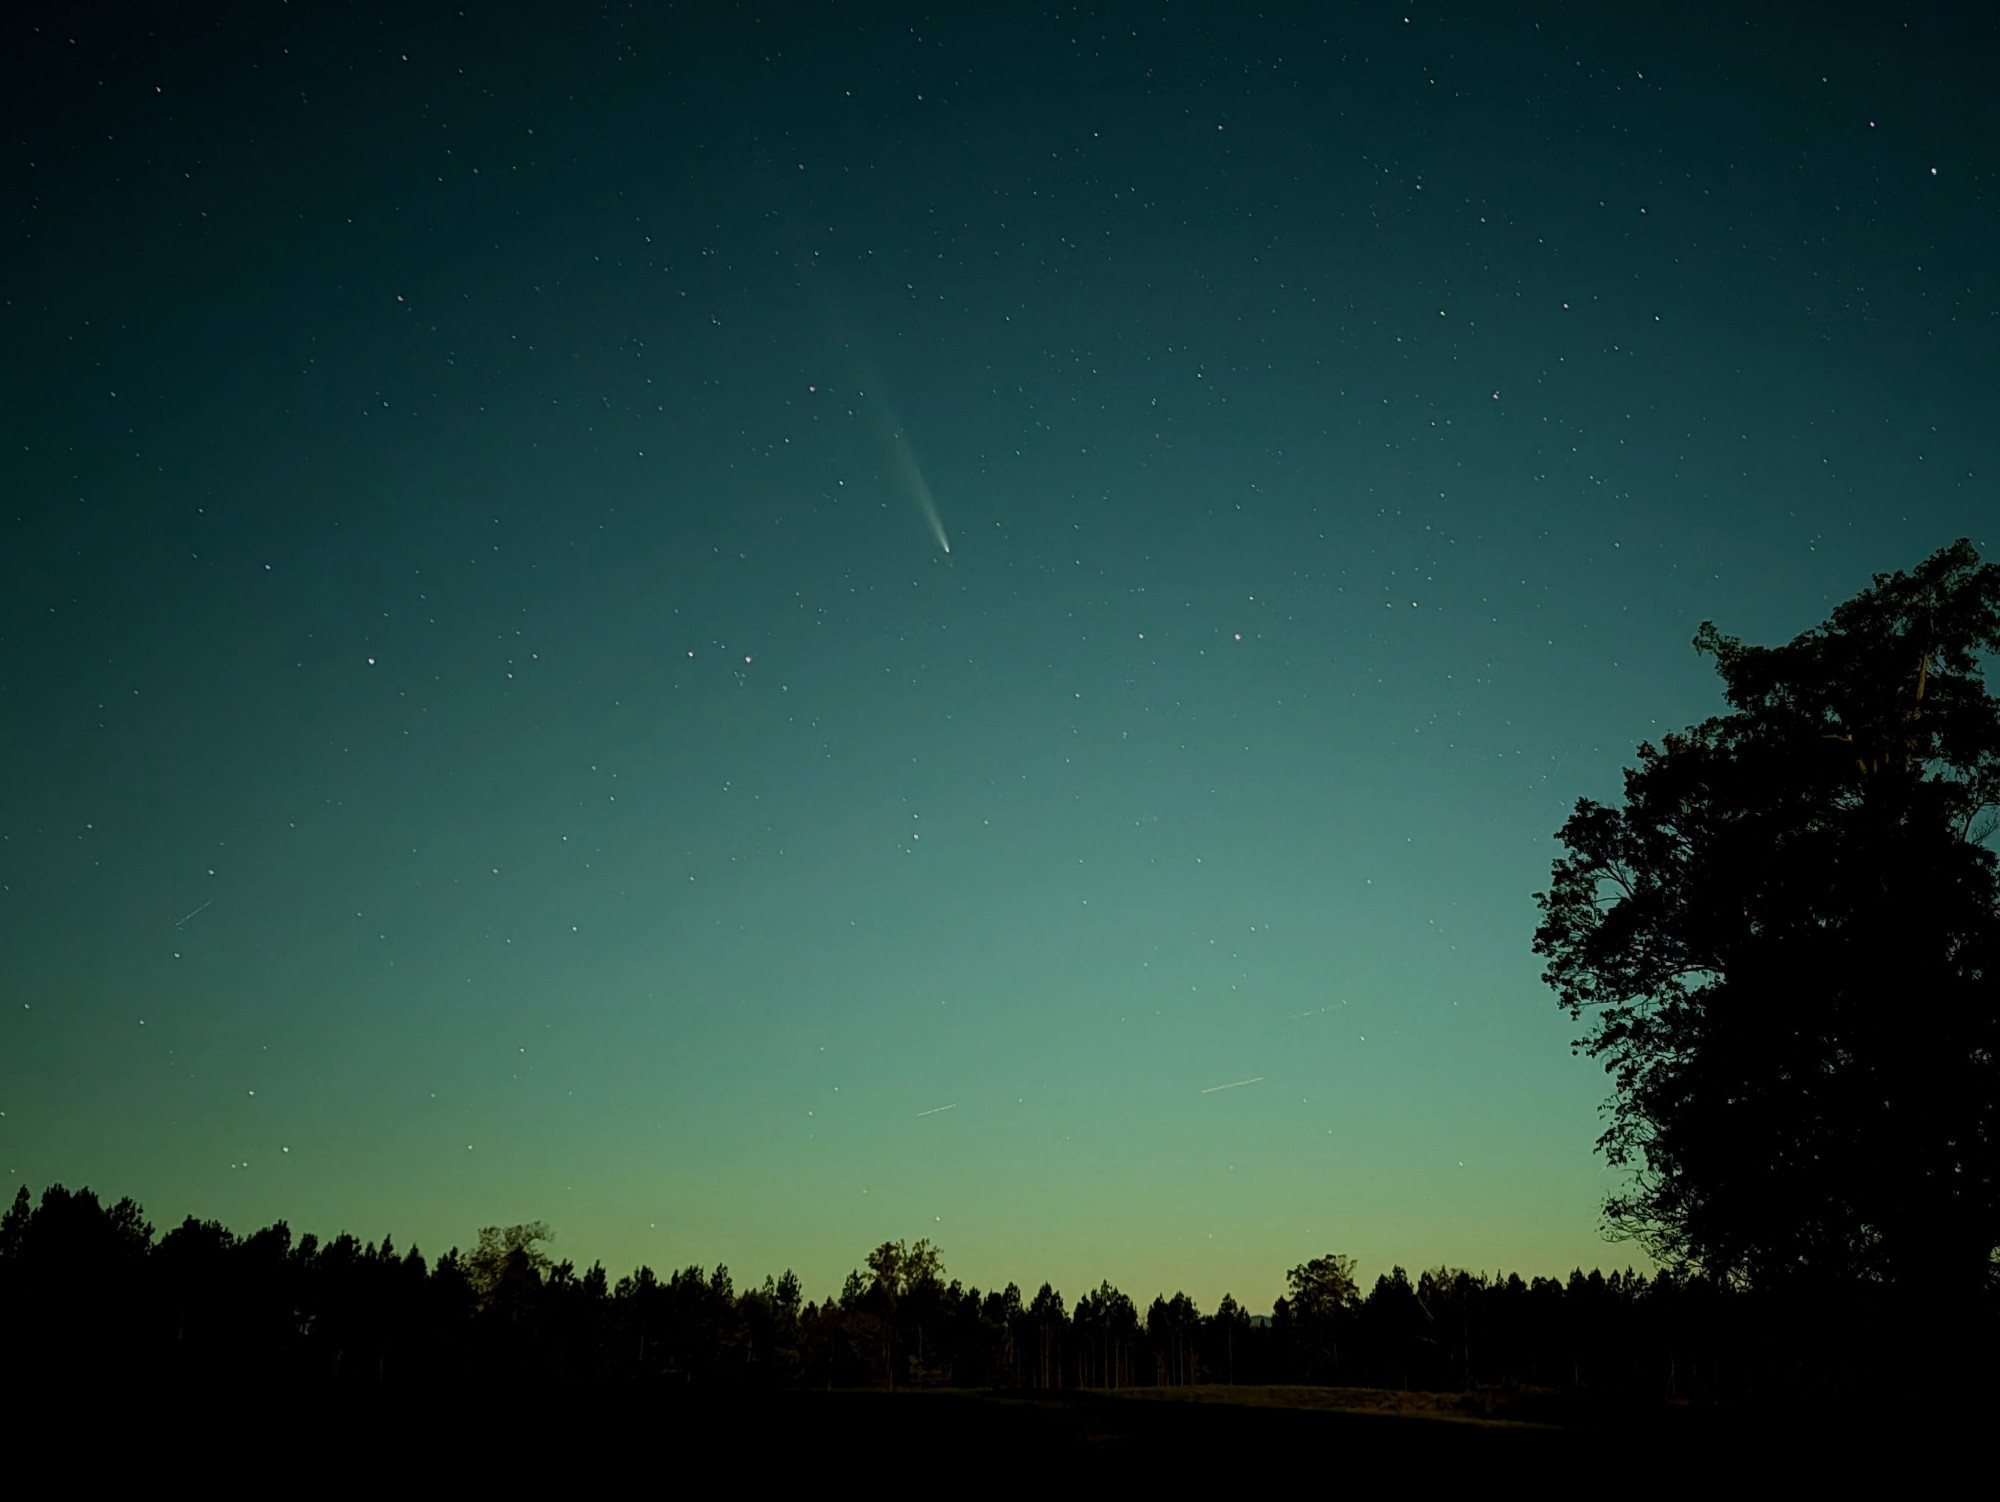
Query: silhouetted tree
point(191, 1272)
point(1003, 1316)
point(575, 1329)
point(73, 1280)
point(506, 1263)
point(637, 1319)
point(771, 1321)
point(901, 1275)
point(1106, 1325)
point(1229, 1330)
point(1452, 1300)
point(1787, 942)
point(1047, 1323)
point(1396, 1326)
point(1173, 1328)
point(1320, 1302)
point(703, 1338)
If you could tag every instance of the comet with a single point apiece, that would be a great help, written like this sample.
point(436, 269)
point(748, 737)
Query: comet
point(911, 473)
point(1234, 1085)
point(906, 473)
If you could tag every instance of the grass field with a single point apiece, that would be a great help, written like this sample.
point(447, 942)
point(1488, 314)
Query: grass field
point(517, 1435)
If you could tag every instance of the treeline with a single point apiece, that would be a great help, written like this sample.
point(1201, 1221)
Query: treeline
point(88, 1291)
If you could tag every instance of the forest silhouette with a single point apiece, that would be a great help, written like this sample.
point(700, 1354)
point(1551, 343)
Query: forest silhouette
point(83, 1283)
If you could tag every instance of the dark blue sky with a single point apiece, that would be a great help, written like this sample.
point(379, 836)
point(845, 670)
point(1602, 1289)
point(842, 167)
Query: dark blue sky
point(488, 730)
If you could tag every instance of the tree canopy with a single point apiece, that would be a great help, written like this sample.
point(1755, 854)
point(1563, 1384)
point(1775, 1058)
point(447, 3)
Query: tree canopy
point(1785, 944)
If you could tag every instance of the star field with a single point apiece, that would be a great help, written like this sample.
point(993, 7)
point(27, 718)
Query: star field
point(490, 729)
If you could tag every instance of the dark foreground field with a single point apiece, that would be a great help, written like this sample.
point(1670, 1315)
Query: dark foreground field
point(960, 1440)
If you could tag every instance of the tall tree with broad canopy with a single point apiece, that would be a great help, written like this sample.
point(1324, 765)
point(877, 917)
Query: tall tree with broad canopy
point(1321, 1298)
point(1787, 947)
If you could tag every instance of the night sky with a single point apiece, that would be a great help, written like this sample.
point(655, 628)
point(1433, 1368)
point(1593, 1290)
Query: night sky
point(490, 729)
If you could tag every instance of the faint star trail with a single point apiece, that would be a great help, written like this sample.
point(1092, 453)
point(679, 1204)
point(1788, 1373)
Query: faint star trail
point(1234, 1085)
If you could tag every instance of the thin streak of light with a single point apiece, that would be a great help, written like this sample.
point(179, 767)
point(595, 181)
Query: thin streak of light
point(1234, 1085)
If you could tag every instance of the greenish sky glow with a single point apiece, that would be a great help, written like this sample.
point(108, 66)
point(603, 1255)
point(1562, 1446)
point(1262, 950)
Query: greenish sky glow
point(488, 732)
